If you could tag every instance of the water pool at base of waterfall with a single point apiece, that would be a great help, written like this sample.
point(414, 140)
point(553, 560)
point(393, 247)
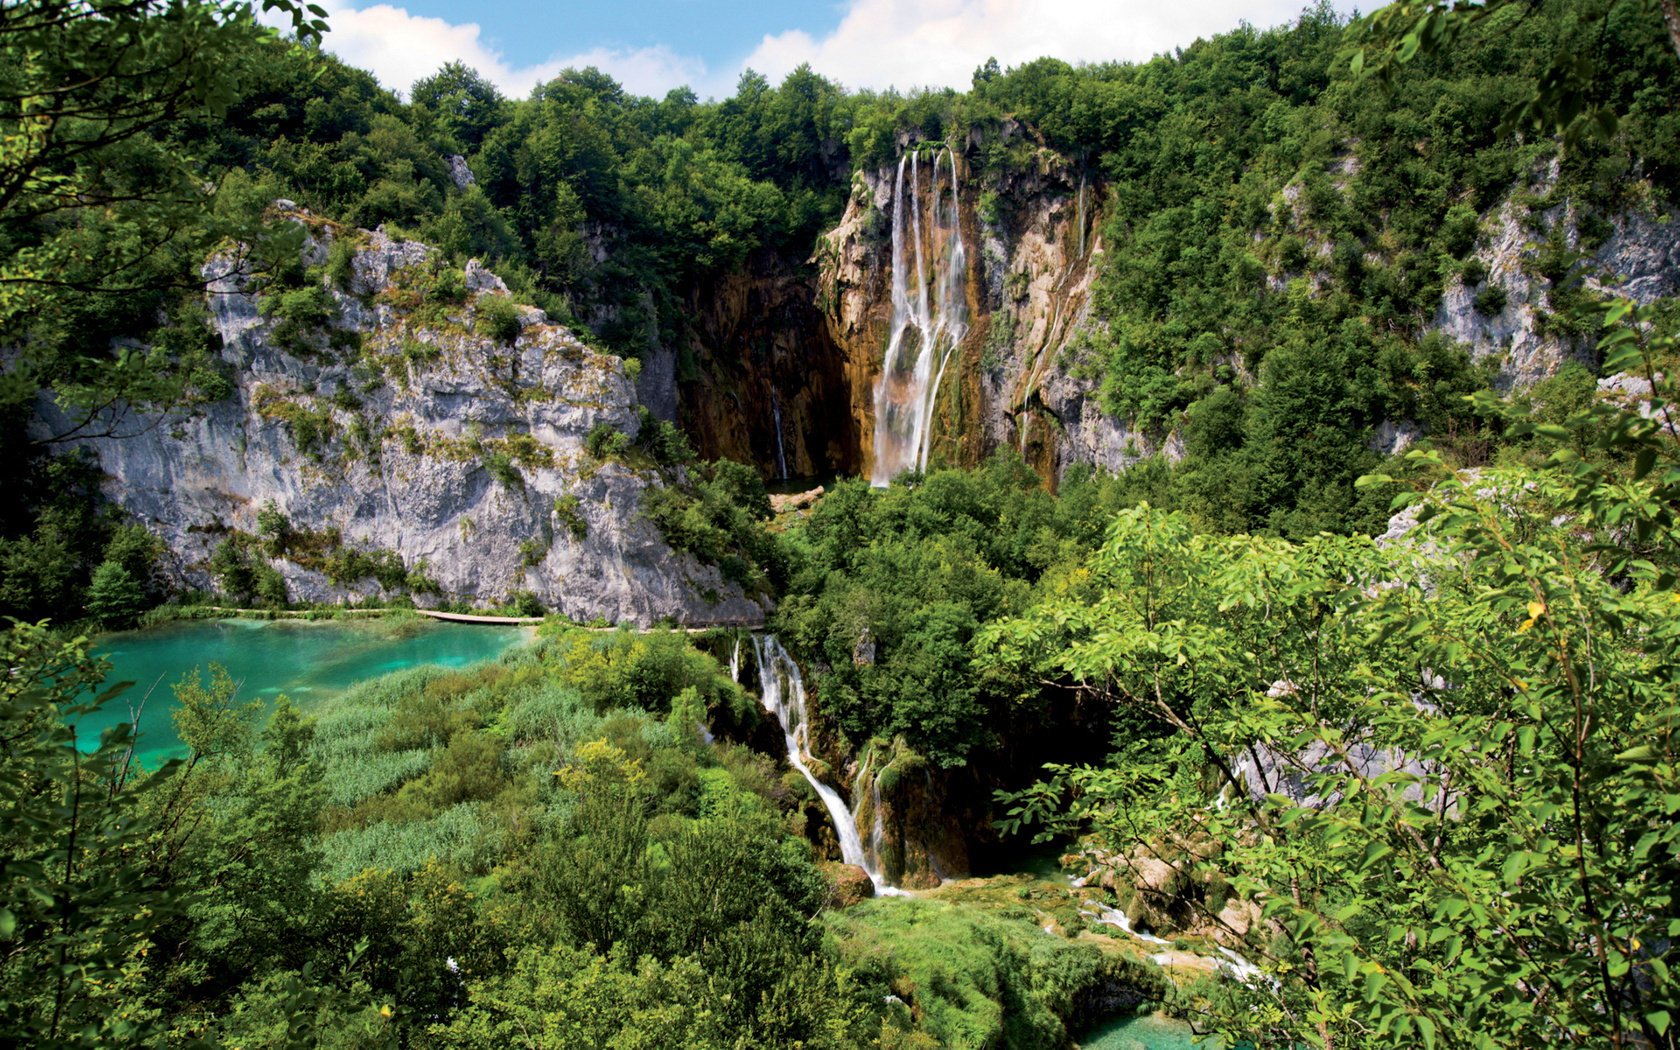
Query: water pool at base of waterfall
point(1148, 1032)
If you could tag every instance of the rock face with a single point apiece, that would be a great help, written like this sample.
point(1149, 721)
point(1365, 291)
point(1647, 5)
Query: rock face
point(1032, 248)
point(1508, 318)
point(775, 390)
point(397, 428)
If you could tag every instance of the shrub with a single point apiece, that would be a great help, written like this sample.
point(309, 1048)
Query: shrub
point(500, 465)
point(532, 552)
point(605, 441)
point(498, 318)
point(274, 528)
point(524, 603)
point(570, 514)
point(1490, 300)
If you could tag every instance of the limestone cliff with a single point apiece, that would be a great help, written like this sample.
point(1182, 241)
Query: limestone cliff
point(1032, 248)
point(408, 411)
point(1032, 235)
point(1531, 260)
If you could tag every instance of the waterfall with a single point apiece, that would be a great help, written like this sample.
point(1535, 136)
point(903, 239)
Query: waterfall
point(877, 828)
point(1081, 217)
point(735, 662)
point(1120, 920)
point(782, 692)
point(927, 257)
point(781, 453)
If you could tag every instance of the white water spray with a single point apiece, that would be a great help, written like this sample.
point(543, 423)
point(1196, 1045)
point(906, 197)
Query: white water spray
point(1120, 920)
point(929, 316)
point(782, 690)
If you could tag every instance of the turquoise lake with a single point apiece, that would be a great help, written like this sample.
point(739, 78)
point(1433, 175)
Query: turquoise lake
point(308, 662)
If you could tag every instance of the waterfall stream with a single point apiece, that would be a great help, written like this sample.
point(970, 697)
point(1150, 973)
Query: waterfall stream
point(1080, 219)
point(929, 315)
point(782, 691)
point(781, 453)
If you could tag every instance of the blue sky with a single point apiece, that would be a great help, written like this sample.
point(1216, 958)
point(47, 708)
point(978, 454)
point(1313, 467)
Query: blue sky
point(719, 33)
point(654, 46)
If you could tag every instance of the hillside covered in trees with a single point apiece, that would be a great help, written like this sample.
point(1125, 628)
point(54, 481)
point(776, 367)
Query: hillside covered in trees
point(1294, 559)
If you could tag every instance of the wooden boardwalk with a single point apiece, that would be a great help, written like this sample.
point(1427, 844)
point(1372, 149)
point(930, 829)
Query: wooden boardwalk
point(449, 617)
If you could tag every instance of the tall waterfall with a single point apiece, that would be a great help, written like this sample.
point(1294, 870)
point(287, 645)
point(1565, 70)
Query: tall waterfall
point(782, 690)
point(929, 315)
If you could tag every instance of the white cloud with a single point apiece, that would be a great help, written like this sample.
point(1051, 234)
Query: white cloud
point(939, 43)
point(399, 48)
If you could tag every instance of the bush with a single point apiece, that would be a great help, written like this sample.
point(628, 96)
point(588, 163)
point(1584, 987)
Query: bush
point(274, 528)
point(525, 603)
point(500, 465)
point(605, 441)
point(498, 318)
point(1490, 300)
point(570, 514)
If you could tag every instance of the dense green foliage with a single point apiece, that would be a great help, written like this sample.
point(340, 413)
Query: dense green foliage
point(978, 978)
point(1277, 230)
point(540, 850)
point(890, 585)
point(1444, 770)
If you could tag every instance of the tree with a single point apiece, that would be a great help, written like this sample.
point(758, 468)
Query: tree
point(1563, 101)
point(94, 198)
point(115, 597)
point(459, 104)
point(81, 886)
point(1444, 772)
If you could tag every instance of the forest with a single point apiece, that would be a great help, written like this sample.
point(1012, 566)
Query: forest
point(1394, 727)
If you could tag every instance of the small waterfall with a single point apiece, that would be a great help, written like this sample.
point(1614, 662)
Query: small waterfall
point(877, 826)
point(1120, 920)
point(735, 662)
point(1081, 217)
point(781, 453)
point(929, 315)
point(782, 690)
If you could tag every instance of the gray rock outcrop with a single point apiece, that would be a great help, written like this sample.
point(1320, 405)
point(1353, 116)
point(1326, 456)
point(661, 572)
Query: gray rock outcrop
point(397, 428)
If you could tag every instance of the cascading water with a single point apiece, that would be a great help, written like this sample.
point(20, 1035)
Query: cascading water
point(929, 316)
point(782, 690)
point(1080, 219)
point(781, 453)
point(877, 827)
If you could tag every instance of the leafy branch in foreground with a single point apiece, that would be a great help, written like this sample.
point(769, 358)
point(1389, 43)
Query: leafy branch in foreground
point(1444, 771)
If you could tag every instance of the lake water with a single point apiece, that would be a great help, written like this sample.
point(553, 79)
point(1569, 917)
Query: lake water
point(306, 661)
point(1150, 1032)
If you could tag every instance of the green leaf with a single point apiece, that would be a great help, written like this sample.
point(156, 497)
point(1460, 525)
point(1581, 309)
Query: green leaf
point(1658, 1020)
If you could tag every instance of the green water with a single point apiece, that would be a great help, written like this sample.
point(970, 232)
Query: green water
point(308, 662)
point(1150, 1032)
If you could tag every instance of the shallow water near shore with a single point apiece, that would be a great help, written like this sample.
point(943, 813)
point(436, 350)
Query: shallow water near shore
point(1149, 1032)
point(306, 661)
